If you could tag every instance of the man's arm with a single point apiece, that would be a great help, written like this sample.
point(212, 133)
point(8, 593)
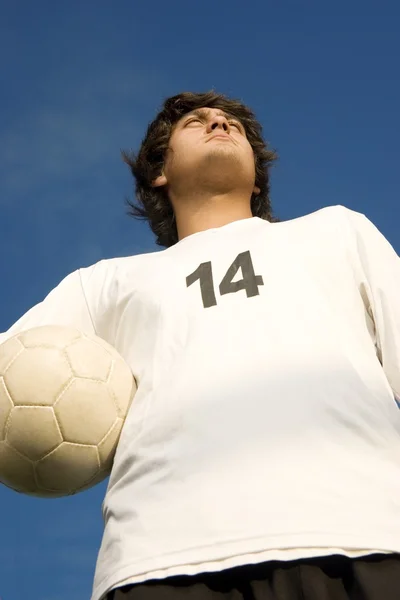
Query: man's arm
point(378, 272)
point(65, 305)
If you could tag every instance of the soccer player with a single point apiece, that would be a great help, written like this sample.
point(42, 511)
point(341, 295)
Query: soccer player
point(260, 459)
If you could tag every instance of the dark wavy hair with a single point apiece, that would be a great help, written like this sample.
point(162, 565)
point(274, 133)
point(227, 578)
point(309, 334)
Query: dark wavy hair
point(154, 205)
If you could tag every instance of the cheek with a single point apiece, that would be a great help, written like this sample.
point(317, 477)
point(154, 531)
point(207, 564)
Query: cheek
point(174, 152)
point(179, 154)
point(251, 157)
point(182, 151)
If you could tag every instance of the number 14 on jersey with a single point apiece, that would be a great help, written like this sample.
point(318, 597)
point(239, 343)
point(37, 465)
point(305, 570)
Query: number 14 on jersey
point(249, 282)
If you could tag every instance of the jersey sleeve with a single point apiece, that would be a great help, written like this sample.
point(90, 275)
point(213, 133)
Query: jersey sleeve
point(379, 279)
point(65, 305)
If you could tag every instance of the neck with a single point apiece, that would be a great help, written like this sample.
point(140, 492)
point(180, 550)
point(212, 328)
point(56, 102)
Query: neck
point(194, 214)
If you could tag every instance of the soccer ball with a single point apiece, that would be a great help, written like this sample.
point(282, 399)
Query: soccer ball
point(64, 397)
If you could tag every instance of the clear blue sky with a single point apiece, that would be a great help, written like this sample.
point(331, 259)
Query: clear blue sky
point(81, 80)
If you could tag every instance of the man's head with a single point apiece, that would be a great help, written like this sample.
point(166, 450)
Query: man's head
point(199, 142)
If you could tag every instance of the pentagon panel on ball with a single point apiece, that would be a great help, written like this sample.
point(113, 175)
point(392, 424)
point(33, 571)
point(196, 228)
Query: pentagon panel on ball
point(64, 396)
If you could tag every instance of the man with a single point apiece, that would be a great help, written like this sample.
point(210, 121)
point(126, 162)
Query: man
point(261, 455)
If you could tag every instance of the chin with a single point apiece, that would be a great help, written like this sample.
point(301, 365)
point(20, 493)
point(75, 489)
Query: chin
point(224, 154)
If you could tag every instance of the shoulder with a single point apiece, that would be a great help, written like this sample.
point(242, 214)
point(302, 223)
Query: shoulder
point(113, 269)
point(337, 220)
point(335, 214)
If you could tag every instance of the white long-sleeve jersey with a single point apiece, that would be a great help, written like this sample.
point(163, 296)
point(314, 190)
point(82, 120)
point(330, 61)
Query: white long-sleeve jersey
point(265, 425)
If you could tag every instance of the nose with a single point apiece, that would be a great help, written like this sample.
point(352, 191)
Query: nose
point(218, 122)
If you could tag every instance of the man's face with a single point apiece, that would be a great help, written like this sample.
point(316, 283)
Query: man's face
point(208, 148)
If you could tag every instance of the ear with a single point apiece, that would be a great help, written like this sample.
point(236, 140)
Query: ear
point(256, 190)
point(159, 181)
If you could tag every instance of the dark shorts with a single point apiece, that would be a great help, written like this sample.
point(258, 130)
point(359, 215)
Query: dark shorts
point(372, 577)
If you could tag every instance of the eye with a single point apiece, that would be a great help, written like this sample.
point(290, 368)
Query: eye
point(235, 124)
point(193, 120)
